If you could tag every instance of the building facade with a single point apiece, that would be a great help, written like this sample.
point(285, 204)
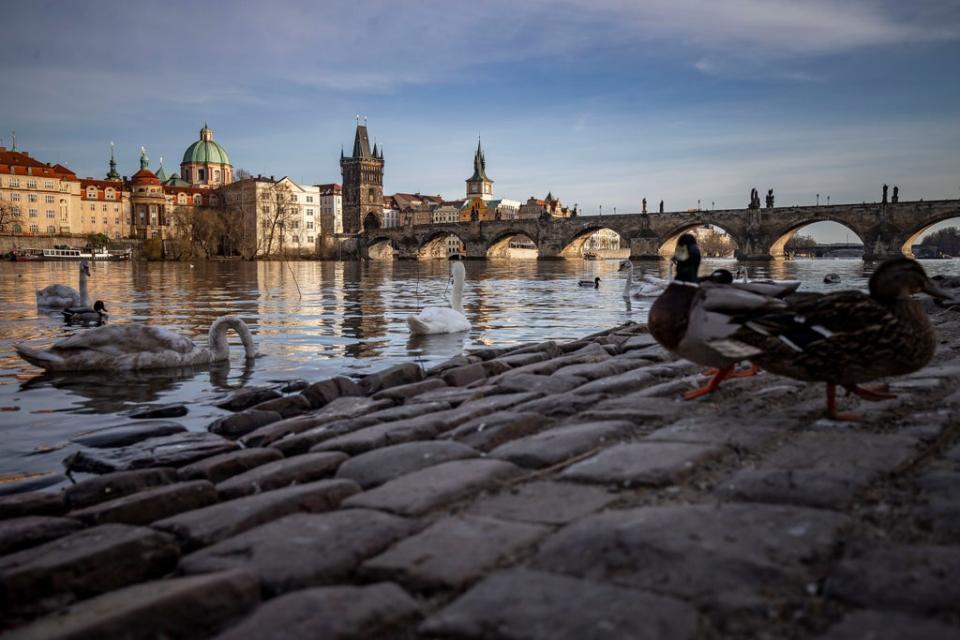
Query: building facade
point(362, 184)
point(331, 208)
point(205, 163)
point(36, 198)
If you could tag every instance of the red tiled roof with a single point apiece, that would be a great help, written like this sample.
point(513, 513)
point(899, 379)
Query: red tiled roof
point(145, 176)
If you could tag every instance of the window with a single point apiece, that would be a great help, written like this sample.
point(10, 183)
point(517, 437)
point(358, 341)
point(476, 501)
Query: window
point(16, 212)
point(181, 198)
point(309, 224)
point(309, 212)
point(48, 199)
point(155, 234)
point(309, 238)
point(110, 194)
point(295, 239)
point(51, 214)
point(216, 175)
point(31, 184)
point(15, 197)
point(116, 235)
point(104, 207)
point(51, 228)
point(33, 213)
point(104, 221)
point(116, 208)
point(295, 224)
point(48, 184)
point(93, 219)
point(14, 182)
point(16, 228)
point(93, 207)
point(116, 220)
point(32, 197)
point(266, 208)
point(34, 229)
point(203, 174)
point(196, 199)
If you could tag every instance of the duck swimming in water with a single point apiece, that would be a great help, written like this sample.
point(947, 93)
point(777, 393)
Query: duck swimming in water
point(86, 315)
point(847, 338)
point(595, 283)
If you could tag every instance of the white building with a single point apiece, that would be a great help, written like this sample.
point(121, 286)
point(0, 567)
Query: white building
point(331, 208)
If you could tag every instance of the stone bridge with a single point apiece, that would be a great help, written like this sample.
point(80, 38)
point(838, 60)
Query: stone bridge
point(760, 234)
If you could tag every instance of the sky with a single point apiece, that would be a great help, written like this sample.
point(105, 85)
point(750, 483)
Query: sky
point(601, 102)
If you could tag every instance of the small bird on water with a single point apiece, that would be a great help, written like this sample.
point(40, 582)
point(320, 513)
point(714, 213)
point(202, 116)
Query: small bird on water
point(595, 283)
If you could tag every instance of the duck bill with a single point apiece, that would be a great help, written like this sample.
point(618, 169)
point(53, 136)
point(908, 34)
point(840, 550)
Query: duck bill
point(931, 289)
point(681, 253)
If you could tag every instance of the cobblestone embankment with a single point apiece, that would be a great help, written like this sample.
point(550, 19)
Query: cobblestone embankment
point(554, 491)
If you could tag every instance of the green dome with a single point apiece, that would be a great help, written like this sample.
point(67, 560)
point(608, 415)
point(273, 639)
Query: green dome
point(204, 151)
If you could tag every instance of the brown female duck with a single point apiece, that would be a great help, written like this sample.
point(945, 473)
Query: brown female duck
point(849, 337)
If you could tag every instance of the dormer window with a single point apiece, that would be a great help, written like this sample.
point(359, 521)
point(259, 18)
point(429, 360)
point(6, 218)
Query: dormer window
point(196, 198)
point(181, 198)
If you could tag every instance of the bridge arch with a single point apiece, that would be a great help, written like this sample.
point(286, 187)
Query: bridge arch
point(382, 248)
point(512, 243)
point(913, 234)
point(592, 238)
point(782, 237)
point(669, 244)
point(440, 244)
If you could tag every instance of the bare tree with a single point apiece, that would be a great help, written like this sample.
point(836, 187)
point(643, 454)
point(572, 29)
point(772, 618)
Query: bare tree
point(5, 216)
point(800, 244)
point(243, 174)
point(715, 243)
point(199, 231)
point(277, 213)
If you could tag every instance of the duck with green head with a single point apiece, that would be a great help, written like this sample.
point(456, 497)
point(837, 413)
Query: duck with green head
point(692, 313)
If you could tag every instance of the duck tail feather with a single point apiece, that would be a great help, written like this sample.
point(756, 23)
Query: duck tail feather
point(735, 349)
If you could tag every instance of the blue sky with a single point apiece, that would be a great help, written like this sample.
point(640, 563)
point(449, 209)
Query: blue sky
point(602, 102)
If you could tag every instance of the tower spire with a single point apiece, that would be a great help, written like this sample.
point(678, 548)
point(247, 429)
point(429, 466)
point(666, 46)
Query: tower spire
point(144, 160)
point(112, 174)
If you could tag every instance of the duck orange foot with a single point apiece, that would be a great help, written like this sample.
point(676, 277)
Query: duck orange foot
point(832, 407)
point(718, 377)
point(743, 373)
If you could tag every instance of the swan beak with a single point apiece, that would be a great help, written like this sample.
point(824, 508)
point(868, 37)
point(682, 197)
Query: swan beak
point(681, 254)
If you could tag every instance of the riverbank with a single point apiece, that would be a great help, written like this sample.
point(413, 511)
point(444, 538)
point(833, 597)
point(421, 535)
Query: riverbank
point(554, 490)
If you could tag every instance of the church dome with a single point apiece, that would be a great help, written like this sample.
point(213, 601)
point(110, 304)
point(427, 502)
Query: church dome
point(205, 150)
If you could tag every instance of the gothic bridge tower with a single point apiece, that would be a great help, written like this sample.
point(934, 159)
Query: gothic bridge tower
point(362, 184)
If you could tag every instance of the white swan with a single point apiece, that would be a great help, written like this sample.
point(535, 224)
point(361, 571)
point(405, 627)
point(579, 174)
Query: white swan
point(58, 296)
point(648, 286)
point(444, 319)
point(763, 287)
point(137, 346)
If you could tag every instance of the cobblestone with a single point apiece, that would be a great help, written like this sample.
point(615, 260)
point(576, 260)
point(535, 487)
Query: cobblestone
point(557, 444)
point(644, 463)
point(29, 531)
point(218, 468)
point(115, 485)
point(302, 550)
point(168, 451)
point(146, 506)
point(544, 502)
point(128, 434)
point(380, 465)
point(282, 473)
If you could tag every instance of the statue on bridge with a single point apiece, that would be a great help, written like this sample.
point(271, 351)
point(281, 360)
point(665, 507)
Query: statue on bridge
point(884, 201)
point(896, 194)
point(754, 199)
point(661, 206)
point(644, 206)
point(769, 198)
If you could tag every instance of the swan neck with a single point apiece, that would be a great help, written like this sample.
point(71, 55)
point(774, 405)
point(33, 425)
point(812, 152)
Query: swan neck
point(629, 280)
point(456, 297)
point(217, 340)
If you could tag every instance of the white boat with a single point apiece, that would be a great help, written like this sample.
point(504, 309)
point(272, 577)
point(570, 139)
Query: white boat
point(78, 254)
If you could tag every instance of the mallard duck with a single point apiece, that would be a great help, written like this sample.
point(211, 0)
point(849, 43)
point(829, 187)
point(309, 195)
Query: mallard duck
point(126, 347)
point(847, 338)
point(86, 315)
point(59, 296)
point(595, 283)
point(433, 320)
point(831, 278)
point(692, 313)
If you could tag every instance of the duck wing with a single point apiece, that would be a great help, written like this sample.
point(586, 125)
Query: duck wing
point(769, 287)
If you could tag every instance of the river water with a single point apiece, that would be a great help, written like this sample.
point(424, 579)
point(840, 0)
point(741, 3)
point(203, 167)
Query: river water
point(346, 318)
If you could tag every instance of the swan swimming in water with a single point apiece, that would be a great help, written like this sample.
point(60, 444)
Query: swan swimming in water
point(647, 287)
point(127, 347)
point(58, 296)
point(444, 319)
point(83, 315)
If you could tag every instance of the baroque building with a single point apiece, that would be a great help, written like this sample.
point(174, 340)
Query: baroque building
point(362, 184)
